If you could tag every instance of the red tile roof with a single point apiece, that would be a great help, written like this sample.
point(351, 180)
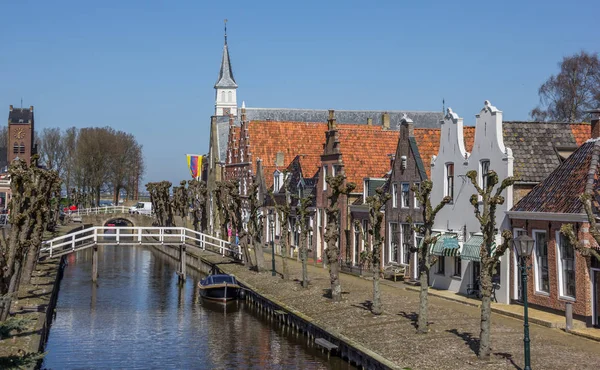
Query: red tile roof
point(267, 138)
point(365, 151)
point(581, 132)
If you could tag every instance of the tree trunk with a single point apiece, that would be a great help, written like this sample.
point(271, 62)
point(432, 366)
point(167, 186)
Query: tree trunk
point(376, 309)
point(259, 255)
point(30, 263)
point(303, 254)
point(485, 285)
point(423, 304)
point(284, 250)
point(334, 277)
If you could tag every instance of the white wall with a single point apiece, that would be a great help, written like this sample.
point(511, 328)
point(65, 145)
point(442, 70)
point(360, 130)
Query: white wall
point(488, 145)
point(223, 101)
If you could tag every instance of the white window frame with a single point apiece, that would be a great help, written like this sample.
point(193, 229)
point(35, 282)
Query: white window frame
point(446, 183)
point(416, 203)
point(403, 238)
point(561, 292)
point(324, 177)
point(391, 239)
point(536, 267)
point(482, 175)
point(276, 181)
point(517, 263)
point(394, 195)
point(405, 199)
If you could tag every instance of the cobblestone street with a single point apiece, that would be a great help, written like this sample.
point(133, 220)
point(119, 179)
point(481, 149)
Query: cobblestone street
point(453, 338)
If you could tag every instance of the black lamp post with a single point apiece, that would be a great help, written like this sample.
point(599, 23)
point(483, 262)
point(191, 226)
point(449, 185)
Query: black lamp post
point(272, 226)
point(524, 246)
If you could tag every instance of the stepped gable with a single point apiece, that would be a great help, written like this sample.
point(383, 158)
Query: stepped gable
point(560, 191)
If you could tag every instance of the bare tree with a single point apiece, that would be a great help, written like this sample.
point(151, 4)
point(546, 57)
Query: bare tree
point(255, 226)
point(303, 219)
point(567, 96)
point(197, 199)
point(123, 158)
point(284, 210)
point(161, 202)
point(423, 195)
point(339, 188)
point(567, 229)
point(181, 204)
point(69, 143)
point(485, 203)
point(52, 151)
point(376, 202)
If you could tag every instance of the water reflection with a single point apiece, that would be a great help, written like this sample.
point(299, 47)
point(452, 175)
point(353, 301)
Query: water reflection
point(137, 317)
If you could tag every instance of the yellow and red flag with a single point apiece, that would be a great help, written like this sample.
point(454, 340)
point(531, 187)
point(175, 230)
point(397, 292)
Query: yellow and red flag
point(194, 162)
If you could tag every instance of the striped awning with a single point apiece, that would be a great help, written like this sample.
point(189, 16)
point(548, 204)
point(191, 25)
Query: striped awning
point(442, 248)
point(471, 250)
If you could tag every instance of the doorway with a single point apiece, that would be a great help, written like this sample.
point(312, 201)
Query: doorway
point(596, 297)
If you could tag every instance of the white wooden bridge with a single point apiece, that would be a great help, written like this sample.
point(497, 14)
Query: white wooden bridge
point(175, 237)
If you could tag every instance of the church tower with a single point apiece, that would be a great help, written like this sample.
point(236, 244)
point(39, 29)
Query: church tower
point(20, 134)
point(225, 88)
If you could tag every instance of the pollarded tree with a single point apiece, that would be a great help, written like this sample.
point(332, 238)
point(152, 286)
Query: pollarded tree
point(375, 203)
point(181, 201)
point(579, 245)
point(284, 210)
point(485, 203)
point(255, 226)
point(161, 202)
point(303, 219)
point(425, 260)
point(221, 197)
point(197, 197)
point(339, 188)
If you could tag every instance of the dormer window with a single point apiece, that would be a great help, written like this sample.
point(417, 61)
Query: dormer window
point(277, 181)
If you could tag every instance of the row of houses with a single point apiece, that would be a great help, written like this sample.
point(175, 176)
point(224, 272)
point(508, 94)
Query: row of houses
point(553, 162)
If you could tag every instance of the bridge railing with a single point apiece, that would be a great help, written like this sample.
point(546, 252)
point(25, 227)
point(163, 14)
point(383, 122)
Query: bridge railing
point(128, 235)
point(97, 210)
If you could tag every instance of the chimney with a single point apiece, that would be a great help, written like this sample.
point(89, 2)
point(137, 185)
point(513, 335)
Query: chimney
point(331, 121)
point(10, 108)
point(31, 108)
point(369, 121)
point(407, 126)
point(279, 159)
point(385, 120)
point(595, 122)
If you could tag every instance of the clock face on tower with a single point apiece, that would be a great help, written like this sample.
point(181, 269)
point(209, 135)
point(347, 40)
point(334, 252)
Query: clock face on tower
point(19, 134)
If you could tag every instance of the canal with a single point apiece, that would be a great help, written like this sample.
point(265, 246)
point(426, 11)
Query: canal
point(138, 317)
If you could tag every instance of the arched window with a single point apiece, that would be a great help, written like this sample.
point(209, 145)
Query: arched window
point(223, 96)
point(22, 148)
point(16, 148)
point(229, 97)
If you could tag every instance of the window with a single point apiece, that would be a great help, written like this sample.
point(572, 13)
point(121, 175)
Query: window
point(16, 148)
point(457, 266)
point(450, 181)
point(357, 240)
point(22, 148)
point(541, 259)
point(394, 195)
point(405, 190)
point(324, 177)
point(333, 171)
point(229, 96)
point(416, 201)
point(441, 265)
point(567, 265)
point(394, 241)
point(223, 96)
point(484, 171)
point(406, 237)
point(365, 233)
point(276, 181)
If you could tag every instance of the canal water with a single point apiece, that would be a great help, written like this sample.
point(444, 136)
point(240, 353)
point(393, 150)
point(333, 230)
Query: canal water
point(138, 317)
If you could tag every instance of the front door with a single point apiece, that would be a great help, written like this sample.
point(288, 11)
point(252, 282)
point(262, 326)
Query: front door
point(476, 272)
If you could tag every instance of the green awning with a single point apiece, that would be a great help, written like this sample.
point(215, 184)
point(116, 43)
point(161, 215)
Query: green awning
point(471, 250)
point(438, 248)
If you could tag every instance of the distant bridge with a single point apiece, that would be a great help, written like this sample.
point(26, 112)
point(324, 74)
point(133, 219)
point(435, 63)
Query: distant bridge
point(175, 237)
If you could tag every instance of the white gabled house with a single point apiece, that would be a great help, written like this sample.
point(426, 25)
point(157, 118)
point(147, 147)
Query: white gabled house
point(458, 267)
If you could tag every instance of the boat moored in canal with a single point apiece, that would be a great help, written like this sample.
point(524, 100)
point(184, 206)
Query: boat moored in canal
point(219, 288)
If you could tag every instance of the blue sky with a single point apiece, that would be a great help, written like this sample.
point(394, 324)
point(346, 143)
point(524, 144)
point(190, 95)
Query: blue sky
point(148, 67)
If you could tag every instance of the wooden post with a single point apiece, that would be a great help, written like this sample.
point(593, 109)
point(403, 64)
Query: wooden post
point(182, 263)
point(95, 263)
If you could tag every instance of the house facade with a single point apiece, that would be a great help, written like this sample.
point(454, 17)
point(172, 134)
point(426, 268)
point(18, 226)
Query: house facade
point(458, 267)
point(559, 273)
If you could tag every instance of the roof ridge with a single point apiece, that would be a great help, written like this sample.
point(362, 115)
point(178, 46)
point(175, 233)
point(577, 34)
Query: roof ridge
point(348, 110)
point(593, 169)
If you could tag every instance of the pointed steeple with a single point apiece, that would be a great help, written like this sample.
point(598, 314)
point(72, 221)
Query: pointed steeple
point(226, 79)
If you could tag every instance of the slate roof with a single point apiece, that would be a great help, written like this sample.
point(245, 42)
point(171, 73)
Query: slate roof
point(226, 79)
point(534, 146)
point(420, 118)
point(18, 114)
point(222, 137)
point(560, 191)
point(365, 151)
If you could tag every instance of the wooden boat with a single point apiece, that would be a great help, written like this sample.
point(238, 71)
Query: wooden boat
point(219, 288)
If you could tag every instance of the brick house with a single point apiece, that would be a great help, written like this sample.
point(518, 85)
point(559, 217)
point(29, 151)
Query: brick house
point(559, 273)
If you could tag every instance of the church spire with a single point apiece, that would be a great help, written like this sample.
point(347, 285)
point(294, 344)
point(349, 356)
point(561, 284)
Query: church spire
point(226, 79)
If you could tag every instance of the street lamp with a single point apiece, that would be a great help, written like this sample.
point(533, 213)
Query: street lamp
point(524, 246)
point(272, 226)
